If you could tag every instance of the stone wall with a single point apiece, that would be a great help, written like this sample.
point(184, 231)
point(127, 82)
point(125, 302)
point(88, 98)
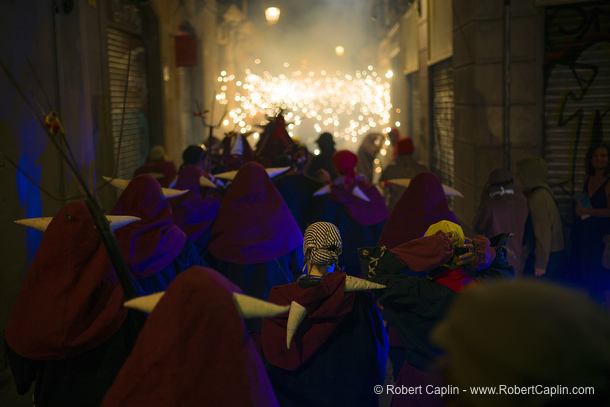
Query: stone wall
point(478, 58)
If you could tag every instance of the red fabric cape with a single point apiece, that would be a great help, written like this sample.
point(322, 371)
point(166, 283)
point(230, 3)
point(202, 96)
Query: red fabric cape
point(70, 301)
point(193, 350)
point(254, 224)
point(363, 212)
point(195, 211)
point(152, 243)
point(422, 205)
point(425, 253)
point(326, 306)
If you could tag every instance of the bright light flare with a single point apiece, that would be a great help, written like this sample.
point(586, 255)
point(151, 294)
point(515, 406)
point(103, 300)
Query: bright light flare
point(272, 14)
point(345, 105)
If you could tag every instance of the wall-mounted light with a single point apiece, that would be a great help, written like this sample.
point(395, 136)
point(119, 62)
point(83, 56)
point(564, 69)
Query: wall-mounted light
point(272, 14)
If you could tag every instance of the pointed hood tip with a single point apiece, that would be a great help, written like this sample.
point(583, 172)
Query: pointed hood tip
point(230, 175)
point(118, 221)
point(405, 182)
point(167, 193)
point(449, 191)
point(117, 182)
point(146, 303)
point(295, 317)
point(250, 307)
point(357, 192)
point(41, 224)
point(206, 183)
point(353, 284)
point(273, 172)
point(322, 191)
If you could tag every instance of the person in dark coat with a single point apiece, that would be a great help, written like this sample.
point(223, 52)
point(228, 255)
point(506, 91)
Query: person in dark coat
point(366, 152)
point(422, 204)
point(331, 350)
point(193, 155)
point(544, 244)
point(503, 210)
point(592, 225)
point(68, 333)
point(449, 263)
point(324, 160)
point(297, 188)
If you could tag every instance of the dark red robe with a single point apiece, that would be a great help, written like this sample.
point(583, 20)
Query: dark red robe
point(69, 332)
point(195, 211)
point(155, 249)
point(423, 204)
point(338, 353)
point(255, 240)
point(193, 350)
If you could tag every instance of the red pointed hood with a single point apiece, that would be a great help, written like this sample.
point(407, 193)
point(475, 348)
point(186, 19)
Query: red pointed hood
point(70, 301)
point(195, 211)
point(363, 212)
point(151, 244)
point(192, 343)
point(254, 224)
point(422, 204)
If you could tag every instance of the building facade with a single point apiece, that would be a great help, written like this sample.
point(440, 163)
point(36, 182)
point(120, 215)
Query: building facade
point(481, 84)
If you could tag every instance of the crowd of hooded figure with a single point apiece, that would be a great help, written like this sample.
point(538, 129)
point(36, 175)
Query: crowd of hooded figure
point(266, 278)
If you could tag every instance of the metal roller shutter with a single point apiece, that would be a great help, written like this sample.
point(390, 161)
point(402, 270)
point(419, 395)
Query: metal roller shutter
point(442, 122)
point(576, 95)
point(136, 136)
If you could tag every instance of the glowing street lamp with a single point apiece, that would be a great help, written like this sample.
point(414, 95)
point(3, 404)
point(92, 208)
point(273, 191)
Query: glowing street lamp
point(272, 14)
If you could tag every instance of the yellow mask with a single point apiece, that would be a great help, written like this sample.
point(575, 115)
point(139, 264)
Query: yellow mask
point(448, 228)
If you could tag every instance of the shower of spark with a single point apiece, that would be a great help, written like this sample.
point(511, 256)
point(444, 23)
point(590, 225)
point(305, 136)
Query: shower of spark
point(347, 106)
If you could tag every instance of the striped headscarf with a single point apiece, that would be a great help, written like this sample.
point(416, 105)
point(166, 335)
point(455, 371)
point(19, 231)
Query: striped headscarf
point(322, 244)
